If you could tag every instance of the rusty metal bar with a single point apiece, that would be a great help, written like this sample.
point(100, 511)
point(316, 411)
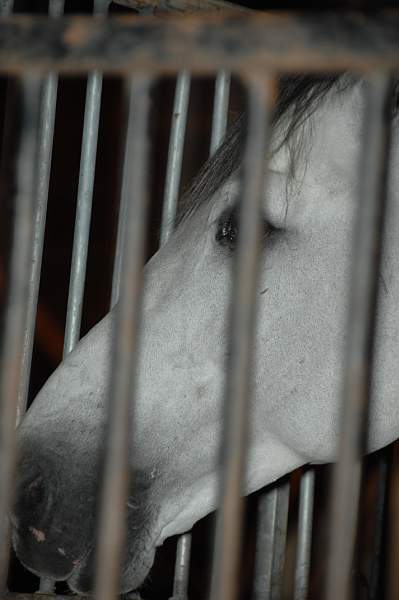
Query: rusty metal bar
point(233, 451)
point(125, 344)
point(270, 543)
point(200, 43)
point(219, 122)
point(175, 154)
point(85, 199)
point(305, 520)
point(38, 596)
point(185, 6)
point(16, 308)
point(360, 332)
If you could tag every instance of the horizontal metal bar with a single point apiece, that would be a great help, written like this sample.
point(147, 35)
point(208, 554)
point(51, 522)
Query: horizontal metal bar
point(185, 6)
point(360, 332)
point(200, 43)
point(242, 323)
point(125, 345)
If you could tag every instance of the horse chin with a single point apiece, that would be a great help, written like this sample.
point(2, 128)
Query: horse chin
point(43, 564)
point(81, 580)
point(42, 573)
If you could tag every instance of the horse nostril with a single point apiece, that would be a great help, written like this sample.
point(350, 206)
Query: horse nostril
point(31, 493)
point(36, 490)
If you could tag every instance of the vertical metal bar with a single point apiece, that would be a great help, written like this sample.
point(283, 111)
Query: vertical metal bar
point(45, 146)
point(393, 536)
point(84, 203)
point(182, 567)
point(175, 154)
point(380, 512)
point(270, 543)
point(125, 345)
point(220, 109)
point(219, 124)
point(233, 456)
point(172, 185)
point(305, 520)
point(270, 546)
point(15, 313)
point(6, 7)
point(360, 332)
point(120, 236)
point(120, 243)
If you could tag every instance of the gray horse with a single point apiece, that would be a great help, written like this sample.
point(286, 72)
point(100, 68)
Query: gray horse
point(308, 217)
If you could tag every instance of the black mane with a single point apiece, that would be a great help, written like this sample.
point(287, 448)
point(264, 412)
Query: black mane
point(298, 94)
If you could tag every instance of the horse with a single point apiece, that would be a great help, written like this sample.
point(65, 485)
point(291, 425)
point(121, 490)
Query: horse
point(308, 213)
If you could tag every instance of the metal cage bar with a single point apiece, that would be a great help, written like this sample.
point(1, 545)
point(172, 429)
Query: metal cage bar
point(305, 526)
point(282, 43)
point(219, 124)
point(220, 109)
point(182, 567)
point(175, 154)
point(83, 213)
point(360, 328)
point(380, 513)
point(134, 216)
point(228, 539)
point(270, 542)
point(6, 7)
point(16, 307)
point(46, 135)
point(85, 199)
point(393, 537)
point(113, 514)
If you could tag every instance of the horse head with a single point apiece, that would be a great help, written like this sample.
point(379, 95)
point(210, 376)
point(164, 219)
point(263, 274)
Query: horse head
point(308, 215)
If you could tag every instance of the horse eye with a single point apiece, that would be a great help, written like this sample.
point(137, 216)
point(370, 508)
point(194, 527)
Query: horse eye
point(227, 228)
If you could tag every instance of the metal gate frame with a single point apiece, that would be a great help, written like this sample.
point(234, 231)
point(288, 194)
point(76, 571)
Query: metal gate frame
point(255, 48)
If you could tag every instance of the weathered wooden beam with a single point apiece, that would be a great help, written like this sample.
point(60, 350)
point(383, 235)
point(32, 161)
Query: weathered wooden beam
point(203, 43)
point(39, 596)
point(186, 6)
